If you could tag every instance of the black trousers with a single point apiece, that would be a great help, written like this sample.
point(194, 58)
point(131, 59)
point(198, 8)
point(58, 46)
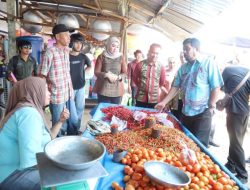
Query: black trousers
point(236, 128)
point(145, 104)
point(199, 125)
point(178, 113)
point(106, 99)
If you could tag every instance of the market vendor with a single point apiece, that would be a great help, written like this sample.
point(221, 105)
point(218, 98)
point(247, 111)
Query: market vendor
point(24, 132)
point(200, 81)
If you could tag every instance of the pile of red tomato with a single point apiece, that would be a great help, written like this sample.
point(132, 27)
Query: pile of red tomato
point(204, 174)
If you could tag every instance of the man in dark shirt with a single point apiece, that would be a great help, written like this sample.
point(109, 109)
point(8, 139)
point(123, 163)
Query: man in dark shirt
point(22, 65)
point(237, 119)
point(77, 72)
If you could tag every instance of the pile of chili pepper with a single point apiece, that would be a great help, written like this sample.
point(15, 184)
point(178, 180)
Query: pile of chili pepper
point(127, 115)
point(170, 139)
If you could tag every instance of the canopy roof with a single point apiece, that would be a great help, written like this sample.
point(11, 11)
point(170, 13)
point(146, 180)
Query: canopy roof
point(177, 19)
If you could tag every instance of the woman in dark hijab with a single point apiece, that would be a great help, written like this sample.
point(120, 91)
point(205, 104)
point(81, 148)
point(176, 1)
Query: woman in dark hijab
point(24, 132)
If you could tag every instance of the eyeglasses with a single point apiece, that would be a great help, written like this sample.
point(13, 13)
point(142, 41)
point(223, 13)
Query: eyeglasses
point(27, 47)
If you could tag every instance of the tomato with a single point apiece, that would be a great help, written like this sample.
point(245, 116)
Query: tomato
point(215, 169)
point(124, 160)
point(128, 170)
point(177, 164)
point(168, 158)
point(199, 174)
point(211, 181)
point(139, 169)
point(126, 178)
point(204, 179)
point(223, 180)
point(115, 184)
point(135, 158)
point(196, 168)
point(218, 186)
point(136, 176)
point(201, 184)
point(189, 168)
point(195, 179)
point(194, 186)
point(228, 187)
point(206, 173)
point(146, 178)
point(204, 168)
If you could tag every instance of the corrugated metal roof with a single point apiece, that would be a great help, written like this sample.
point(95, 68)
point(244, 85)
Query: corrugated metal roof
point(175, 18)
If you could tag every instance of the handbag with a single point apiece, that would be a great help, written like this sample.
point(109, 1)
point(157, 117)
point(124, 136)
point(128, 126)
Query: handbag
point(223, 103)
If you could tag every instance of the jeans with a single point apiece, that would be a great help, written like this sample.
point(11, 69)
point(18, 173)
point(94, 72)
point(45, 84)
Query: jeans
point(71, 124)
point(79, 103)
point(26, 179)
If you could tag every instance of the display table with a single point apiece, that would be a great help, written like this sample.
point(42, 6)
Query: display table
point(115, 170)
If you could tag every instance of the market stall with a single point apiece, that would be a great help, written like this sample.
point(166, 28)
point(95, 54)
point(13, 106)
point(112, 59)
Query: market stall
point(116, 170)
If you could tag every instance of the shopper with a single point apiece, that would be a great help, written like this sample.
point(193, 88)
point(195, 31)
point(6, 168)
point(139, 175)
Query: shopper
point(55, 67)
point(237, 118)
point(199, 79)
point(79, 63)
point(149, 77)
point(110, 70)
point(22, 65)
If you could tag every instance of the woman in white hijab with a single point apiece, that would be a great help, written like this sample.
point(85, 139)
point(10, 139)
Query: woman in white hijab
point(110, 70)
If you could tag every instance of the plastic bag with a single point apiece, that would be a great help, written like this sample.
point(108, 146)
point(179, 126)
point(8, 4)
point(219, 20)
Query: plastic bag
point(138, 115)
point(162, 118)
point(120, 123)
point(187, 155)
point(125, 99)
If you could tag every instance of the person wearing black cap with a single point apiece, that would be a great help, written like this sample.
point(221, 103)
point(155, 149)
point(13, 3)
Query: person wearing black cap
point(78, 61)
point(55, 67)
point(22, 65)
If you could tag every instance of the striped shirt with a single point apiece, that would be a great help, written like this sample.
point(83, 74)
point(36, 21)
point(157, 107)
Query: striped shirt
point(56, 67)
point(149, 78)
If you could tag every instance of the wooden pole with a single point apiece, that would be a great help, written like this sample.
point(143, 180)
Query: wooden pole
point(11, 9)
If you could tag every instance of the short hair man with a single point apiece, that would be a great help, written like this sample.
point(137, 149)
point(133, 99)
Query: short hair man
point(237, 118)
point(22, 65)
point(149, 77)
point(200, 81)
point(78, 61)
point(55, 67)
